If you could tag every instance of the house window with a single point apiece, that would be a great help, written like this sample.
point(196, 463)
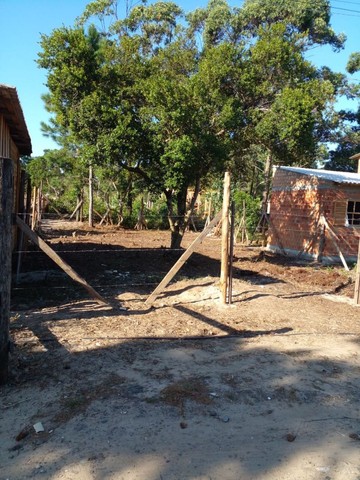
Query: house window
point(353, 213)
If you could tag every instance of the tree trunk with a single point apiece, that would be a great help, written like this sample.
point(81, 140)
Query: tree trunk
point(265, 199)
point(176, 238)
point(6, 202)
point(141, 223)
point(178, 221)
point(79, 202)
point(129, 196)
point(253, 181)
point(120, 211)
point(267, 183)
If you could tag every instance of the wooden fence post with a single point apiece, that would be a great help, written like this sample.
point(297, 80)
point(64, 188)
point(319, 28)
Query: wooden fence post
point(357, 281)
point(224, 274)
point(231, 252)
point(91, 196)
point(34, 209)
point(6, 203)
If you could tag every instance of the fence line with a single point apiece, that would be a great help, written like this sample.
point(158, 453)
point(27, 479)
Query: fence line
point(68, 287)
point(126, 250)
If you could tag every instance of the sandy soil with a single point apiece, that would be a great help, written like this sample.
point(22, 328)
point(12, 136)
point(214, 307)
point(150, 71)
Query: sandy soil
point(264, 388)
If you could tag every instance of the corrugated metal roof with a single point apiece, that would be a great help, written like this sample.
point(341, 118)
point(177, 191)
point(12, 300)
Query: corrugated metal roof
point(11, 110)
point(336, 177)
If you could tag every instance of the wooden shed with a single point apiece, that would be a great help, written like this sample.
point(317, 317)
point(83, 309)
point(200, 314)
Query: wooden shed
point(14, 136)
point(14, 143)
point(315, 214)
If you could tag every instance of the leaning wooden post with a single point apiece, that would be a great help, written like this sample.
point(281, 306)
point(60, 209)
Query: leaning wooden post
point(225, 239)
point(59, 261)
point(6, 203)
point(357, 281)
point(173, 271)
point(333, 238)
point(77, 209)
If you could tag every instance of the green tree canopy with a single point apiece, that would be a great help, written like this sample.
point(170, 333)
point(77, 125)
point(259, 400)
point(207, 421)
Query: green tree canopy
point(144, 93)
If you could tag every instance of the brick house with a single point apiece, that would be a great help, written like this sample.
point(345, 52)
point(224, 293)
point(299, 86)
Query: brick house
point(312, 212)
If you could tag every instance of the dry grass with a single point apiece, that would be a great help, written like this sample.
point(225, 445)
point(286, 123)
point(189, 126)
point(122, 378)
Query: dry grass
point(193, 388)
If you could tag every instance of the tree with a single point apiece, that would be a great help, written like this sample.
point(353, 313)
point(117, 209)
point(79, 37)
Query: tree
point(309, 18)
point(348, 137)
point(353, 64)
point(61, 177)
point(287, 103)
point(144, 94)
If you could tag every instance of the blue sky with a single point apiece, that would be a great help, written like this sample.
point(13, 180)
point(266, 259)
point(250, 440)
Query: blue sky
point(22, 22)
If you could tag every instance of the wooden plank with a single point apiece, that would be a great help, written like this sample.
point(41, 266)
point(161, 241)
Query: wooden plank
point(59, 261)
point(173, 271)
point(357, 280)
point(334, 238)
point(224, 274)
point(6, 205)
point(78, 206)
point(33, 213)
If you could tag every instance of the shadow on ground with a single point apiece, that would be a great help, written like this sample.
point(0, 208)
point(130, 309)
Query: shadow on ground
point(259, 405)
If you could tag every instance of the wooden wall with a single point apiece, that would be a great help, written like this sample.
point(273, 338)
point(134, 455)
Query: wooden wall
point(8, 149)
point(5, 139)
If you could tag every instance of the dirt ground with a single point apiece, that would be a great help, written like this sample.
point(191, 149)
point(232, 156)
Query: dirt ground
point(265, 388)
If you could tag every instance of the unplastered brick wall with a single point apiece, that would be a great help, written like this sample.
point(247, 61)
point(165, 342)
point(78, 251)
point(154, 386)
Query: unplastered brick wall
point(335, 202)
point(298, 201)
point(294, 218)
point(349, 235)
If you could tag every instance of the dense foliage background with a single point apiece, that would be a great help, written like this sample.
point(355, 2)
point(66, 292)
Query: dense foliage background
point(157, 103)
